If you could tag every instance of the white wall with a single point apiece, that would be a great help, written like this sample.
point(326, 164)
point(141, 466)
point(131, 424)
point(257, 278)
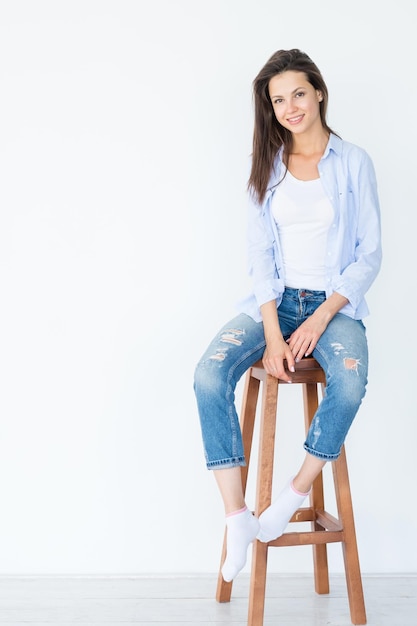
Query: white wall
point(125, 128)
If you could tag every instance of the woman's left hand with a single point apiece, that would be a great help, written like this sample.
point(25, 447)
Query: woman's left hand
point(303, 340)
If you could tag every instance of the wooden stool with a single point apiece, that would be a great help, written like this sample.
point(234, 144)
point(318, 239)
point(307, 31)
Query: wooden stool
point(325, 528)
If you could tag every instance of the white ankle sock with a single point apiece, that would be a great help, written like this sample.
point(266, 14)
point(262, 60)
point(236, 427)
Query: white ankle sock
point(275, 518)
point(242, 528)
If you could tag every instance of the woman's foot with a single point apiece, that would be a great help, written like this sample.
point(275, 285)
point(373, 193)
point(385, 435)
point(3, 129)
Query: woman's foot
point(275, 518)
point(242, 528)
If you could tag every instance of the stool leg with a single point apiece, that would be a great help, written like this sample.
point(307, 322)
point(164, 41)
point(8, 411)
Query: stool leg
point(321, 567)
point(257, 584)
point(247, 421)
point(350, 549)
point(263, 498)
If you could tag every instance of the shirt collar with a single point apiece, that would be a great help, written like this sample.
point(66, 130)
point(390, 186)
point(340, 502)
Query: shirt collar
point(334, 144)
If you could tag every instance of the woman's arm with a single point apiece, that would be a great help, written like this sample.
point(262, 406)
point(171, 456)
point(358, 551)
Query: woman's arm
point(277, 349)
point(359, 267)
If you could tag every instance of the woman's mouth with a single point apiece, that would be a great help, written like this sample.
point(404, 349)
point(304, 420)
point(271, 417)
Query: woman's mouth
point(295, 120)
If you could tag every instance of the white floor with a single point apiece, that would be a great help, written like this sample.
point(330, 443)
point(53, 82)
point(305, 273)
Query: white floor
point(189, 600)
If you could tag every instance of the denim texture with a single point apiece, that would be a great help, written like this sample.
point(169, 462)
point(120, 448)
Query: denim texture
point(342, 351)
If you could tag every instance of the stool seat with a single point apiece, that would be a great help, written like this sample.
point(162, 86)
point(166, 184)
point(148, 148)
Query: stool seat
point(325, 527)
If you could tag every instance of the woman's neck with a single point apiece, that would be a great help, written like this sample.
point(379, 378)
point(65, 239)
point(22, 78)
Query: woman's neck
point(311, 146)
point(305, 156)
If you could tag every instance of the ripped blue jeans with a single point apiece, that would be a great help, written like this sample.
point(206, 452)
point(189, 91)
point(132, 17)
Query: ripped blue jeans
point(342, 351)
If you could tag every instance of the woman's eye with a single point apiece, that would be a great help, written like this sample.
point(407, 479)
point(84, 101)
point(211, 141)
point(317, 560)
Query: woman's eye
point(300, 93)
point(278, 101)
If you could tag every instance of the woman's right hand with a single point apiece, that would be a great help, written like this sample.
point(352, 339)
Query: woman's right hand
point(277, 351)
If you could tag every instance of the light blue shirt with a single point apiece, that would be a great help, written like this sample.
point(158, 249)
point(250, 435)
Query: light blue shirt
point(353, 254)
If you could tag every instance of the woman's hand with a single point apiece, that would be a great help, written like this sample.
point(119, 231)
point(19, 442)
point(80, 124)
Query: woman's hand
point(303, 340)
point(276, 352)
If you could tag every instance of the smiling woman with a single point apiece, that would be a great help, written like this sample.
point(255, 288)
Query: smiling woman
point(314, 250)
point(297, 105)
point(297, 110)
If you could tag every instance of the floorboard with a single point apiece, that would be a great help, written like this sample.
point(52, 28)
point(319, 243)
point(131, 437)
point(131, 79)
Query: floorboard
point(189, 600)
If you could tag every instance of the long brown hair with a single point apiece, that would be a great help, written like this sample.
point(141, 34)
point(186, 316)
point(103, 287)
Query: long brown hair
point(269, 135)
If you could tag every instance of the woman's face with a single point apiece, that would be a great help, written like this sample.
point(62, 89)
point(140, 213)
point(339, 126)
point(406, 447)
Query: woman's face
point(295, 101)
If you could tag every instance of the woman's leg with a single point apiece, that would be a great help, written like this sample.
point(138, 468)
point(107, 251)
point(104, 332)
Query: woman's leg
point(238, 345)
point(229, 482)
point(307, 474)
point(235, 348)
point(342, 351)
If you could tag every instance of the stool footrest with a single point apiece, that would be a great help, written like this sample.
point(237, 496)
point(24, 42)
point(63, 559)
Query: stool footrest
point(312, 537)
point(323, 518)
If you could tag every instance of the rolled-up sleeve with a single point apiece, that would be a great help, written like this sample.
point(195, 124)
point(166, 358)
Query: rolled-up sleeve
point(267, 285)
point(358, 273)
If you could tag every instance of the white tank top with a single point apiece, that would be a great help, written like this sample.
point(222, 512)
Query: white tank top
point(303, 214)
